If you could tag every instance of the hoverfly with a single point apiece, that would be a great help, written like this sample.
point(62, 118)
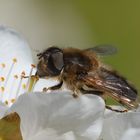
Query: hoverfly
point(83, 72)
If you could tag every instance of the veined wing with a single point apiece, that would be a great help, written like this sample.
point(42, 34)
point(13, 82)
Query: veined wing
point(103, 49)
point(115, 86)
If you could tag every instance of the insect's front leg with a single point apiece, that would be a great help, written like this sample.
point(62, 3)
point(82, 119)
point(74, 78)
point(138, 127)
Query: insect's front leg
point(55, 87)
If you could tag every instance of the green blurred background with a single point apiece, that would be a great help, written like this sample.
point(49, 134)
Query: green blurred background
point(80, 23)
point(117, 23)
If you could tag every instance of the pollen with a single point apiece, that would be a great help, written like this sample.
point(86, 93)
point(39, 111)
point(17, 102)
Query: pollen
point(10, 71)
point(16, 76)
point(33, 66)
point(2, 89)
point(24, 86)
point(13, 100)
point(14, 60)
point(22, 74)
point(35, 78)
point(2, 79)
point(6, 102)
point(3, 65)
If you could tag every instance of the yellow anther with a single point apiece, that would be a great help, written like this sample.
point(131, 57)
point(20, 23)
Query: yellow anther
point(2, 79)
point(2, 89)
point(14, 60)
point(34, 77)
point(33, 66)
point(23, 74)
point(24, 86)
point(13, 100)
point(6, 102)
point(16, 76)
point(44, 89)
point(3, 65)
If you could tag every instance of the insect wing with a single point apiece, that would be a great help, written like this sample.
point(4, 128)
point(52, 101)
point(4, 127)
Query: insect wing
point(103, 50)
point(115, 86)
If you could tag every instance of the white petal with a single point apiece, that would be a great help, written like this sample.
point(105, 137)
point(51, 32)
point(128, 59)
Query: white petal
point(49, 82)
point(12, 45)
point(122, 126)
point(45, 83)
point(138, 109)
point(131, 134)
point(59, 115)
point(3, 109)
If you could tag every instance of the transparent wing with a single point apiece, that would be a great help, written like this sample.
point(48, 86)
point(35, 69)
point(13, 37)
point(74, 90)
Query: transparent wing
point(104, 49)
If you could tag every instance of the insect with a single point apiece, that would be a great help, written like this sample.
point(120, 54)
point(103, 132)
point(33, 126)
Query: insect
point(83, 72)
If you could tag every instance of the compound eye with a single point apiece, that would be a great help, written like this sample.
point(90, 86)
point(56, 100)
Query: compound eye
point(55, 63)
point(58, 60)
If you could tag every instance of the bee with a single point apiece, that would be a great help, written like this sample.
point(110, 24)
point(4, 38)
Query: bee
point(83, 73)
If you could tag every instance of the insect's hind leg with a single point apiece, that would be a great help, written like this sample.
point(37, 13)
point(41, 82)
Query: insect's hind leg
point(101, 94)
point(95, 92)
point(116, 110)
point(55, 87)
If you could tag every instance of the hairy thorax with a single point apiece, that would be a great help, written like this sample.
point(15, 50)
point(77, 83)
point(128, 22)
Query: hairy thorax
point(77, 64)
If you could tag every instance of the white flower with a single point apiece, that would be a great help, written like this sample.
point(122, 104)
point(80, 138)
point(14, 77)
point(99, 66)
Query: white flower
point(121, 126)
point(15, 61)
point(57, 115)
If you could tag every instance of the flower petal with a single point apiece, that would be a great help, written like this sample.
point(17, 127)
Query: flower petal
point(3, 109)
point(59, 115)
point(44, 83)
point(131, 134)
point(15, 57)
point(122, 126)
point(13, 45)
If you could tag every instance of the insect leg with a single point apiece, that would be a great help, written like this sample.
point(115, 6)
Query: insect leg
point(116, 110)
point(95, 92)
point(55, 87)
point(99, 93)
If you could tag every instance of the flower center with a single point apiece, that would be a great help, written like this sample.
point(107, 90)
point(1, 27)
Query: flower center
point(12, 84)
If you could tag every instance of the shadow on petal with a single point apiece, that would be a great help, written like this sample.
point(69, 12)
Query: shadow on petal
point(10, 127)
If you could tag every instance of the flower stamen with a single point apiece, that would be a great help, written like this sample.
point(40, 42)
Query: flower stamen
point(12, 87)
point(24, 86)
point(29, 79)
point(2, 89)
point(2, 67)
point(10, 71)
point(33, 82)
point(6, 102)
point(19, 85)
point(13, 100)
point(2, 79)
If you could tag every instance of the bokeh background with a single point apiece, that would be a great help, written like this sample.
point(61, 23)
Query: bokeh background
point(80, 23)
